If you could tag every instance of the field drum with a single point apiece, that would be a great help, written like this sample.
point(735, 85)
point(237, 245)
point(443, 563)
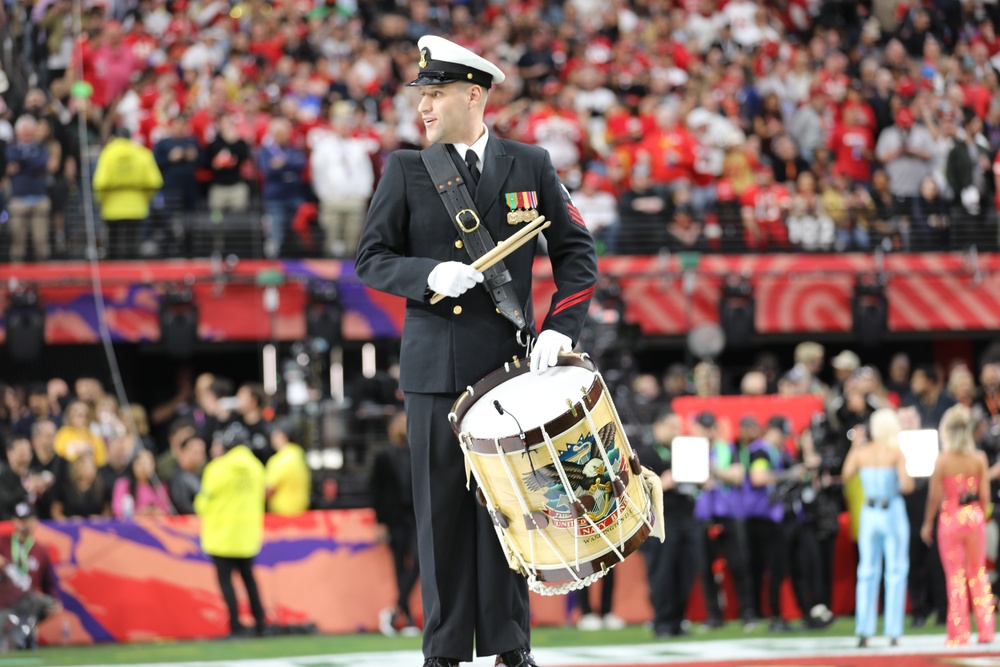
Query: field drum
point(555, 471)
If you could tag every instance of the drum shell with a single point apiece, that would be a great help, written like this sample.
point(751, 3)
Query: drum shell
point(551, 537)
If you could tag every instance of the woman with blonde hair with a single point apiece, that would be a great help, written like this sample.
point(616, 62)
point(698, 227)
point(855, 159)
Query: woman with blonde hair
point(958, 496)
point(884, 529)
point(74, 438)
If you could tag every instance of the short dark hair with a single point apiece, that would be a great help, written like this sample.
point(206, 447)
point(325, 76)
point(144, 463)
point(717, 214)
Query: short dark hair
point(256, 390)
point(928, 370)
point(179, 424)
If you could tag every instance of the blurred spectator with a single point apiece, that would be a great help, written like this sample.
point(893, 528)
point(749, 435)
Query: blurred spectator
point(685, 233)
point(968, 163)
point(391, 489)
point(228, 157)
point(931, 221)
point(962, 386)
point(287, 475)
point(853, 144)
point(27, 578)
point(905, 149)
point(600, 209)
point(75, 438)
point(231, 507)
point(185, 483)
point(899, 375)
point(38, 410)
point(931, 400)
point(251, 401)
point(30, 209)
point(809, 225)
point(121, 451)
point(808, 124)
point(343, 177)
point(60, 169)
point(16, 479)
point(643, 211)
point(180, 430)
point(126, 179)
point(49, 466)
point(763, 208)
point(83, 494)
point(675, 382)
point(281, 165)
point(57, 25)
point(114, 62)
point(177, 157)
point(139, 492)
point(788, 164)
point(707, 379)
point(554, 124)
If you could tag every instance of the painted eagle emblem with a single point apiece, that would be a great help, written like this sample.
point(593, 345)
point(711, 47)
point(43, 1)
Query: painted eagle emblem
point(584, 474)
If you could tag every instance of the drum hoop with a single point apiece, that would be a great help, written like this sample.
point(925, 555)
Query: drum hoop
point(534, 436)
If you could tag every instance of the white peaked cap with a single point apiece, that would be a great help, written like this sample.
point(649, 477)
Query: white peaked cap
point(443, 61)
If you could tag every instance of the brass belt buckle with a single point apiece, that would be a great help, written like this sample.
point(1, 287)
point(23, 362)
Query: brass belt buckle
point(461, 224)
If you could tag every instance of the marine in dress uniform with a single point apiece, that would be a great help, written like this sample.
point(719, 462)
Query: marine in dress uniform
point(410, 247)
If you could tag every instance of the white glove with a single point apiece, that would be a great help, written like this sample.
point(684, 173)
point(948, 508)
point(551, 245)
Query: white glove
point(453, 278)
point(545, 353)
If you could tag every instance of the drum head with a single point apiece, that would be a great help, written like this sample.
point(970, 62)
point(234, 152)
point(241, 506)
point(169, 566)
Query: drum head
point(531, 398)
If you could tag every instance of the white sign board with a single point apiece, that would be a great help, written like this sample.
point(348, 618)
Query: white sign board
point(689, 460)
point(921, 451)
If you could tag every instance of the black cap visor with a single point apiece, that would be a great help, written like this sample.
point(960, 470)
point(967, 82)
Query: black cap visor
point(438, 73)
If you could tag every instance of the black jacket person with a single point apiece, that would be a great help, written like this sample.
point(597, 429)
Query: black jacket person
point(411, 248)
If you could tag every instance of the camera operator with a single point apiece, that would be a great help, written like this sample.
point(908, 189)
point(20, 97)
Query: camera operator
point(768, 480)
point(719, 507)
point(824, 511)
point(809, 516)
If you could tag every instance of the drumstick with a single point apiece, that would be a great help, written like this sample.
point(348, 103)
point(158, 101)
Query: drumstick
point(505, 248)
point(487, 260)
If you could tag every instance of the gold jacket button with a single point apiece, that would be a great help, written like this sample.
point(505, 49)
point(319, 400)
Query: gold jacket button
point(457, 310)
point(459, 244)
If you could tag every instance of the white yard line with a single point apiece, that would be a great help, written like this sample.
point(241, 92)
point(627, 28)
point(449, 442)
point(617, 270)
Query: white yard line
point(660, 653)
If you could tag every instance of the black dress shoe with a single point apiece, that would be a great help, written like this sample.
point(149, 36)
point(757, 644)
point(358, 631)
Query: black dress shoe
point(440, 662)
point(519, 657)
point(918, 621)
point(863, 642)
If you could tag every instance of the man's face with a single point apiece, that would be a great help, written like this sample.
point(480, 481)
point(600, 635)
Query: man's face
point(25, 526)
point(445, 111)
point(43, 439)
point(39, 405)
point(19, 455)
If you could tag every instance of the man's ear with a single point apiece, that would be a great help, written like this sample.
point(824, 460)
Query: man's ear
point(476, 95)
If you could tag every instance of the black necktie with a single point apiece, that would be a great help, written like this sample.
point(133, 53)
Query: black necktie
point(472, 160)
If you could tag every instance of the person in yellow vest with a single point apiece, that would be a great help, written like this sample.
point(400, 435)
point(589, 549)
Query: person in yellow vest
point(231, 507)
point(125, 180)
point(287, 474)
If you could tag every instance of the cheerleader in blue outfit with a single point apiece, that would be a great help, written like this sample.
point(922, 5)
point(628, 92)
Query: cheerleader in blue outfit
point(884, 528)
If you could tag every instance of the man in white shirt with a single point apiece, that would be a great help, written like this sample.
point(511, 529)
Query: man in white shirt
point(343, 178)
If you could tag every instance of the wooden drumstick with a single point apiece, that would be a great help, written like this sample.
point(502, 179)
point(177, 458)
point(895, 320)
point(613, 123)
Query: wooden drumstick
point(506, 247)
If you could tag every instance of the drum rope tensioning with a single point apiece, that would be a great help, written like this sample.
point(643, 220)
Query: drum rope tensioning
point(570, 474)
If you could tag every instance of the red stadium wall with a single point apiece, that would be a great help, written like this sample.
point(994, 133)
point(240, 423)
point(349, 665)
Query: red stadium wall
point(147, 579)
point(794, 294)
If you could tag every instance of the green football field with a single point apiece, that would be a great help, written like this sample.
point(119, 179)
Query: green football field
point(276, 647)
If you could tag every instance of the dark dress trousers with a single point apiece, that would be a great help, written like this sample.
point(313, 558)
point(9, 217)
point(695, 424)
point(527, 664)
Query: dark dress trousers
point(468, 590)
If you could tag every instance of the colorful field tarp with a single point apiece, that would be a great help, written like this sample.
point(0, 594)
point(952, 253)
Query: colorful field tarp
point(793, 293)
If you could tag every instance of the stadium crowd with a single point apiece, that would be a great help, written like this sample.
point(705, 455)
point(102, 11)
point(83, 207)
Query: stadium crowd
point(73, 452)
point(696, 125)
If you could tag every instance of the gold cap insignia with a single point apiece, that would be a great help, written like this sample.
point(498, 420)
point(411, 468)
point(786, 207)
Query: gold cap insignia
point(423, 58)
